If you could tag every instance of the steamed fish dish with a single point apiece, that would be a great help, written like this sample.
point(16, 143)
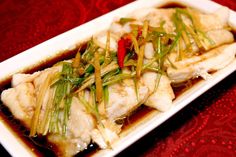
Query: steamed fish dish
point(136, 62)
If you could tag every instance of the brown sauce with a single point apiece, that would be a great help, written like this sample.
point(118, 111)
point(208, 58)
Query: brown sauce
point(39, 145)
point(172, 5)
point(140, 113)
point(36, 145)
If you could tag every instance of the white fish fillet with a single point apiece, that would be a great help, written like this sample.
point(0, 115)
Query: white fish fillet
point(220, 37)
point(161, 98)
point(149, 51)
point(157, 16)
point(123, 99)
point(118, 30)
point(217, 20)
point(80, 126)
point(21, 78)
point(214, 21)
point(213, 60)
point(21, 101)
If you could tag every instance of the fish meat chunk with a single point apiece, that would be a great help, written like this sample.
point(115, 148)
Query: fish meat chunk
point(217, 20)
point(123, 99)
point(161, 97)
point(21, 78)
point(21, 99)
point(157, 16)
point(214, 21)
point(218, 37)
point(80, 122)
point(213, 60)
point(21, 102)
point(118, 30)
point(101, 40)
point(79, 128)
point(149, 51)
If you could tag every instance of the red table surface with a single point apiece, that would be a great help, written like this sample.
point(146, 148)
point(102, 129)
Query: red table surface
point(206, 127)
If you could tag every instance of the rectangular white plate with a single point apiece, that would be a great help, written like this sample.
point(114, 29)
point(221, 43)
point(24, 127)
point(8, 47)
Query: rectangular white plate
point(68, 40)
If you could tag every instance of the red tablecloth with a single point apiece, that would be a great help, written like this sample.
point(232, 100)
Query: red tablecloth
point(206, 127)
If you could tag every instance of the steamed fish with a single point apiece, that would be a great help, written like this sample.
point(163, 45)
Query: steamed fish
point(83, 100)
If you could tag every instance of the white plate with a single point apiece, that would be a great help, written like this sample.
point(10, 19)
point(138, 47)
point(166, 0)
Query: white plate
point(68, 40)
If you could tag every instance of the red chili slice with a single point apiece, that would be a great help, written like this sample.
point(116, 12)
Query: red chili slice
point(121, 52)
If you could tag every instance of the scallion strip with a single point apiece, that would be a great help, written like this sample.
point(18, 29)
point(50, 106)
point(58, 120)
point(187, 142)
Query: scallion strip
point(91, 79)
point(135, 43)
point(107, 50)
point(76, 61)
point(117, 78)
point(106, 96)
point(98, 80)
point(39, 101)
point(141, 52)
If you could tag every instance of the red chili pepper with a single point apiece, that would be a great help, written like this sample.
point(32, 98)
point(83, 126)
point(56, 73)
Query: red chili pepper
point(121, 52)
point(140, 30)
point(128, 42)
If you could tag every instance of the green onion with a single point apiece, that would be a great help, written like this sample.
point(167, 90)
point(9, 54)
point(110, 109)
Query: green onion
point(116, 78)
point(159, 51)
point(194, 30)
point(39, 102)
point(177, 37)
point(145, 66)
point(123, 21)
point(141, 51)
point(135, 44)
point(195, 36)
point(91, 79)
point(153, 69)
point(107, 50)
point(205, 38)
point(67, 105)
point(157, 81)
point(43, 128)
point(135, 84)
point(89, 52)
point(179, 53)
point(90, 108)
point(61, 101)
point(130, 62)
point(181, 27)
point(76, 61)
point(89, 69)
point(98, 80)
point(110, 74)
point(106, 96)
point(172, 64)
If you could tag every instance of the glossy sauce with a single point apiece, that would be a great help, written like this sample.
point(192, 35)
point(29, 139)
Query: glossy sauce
point(37, 145)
